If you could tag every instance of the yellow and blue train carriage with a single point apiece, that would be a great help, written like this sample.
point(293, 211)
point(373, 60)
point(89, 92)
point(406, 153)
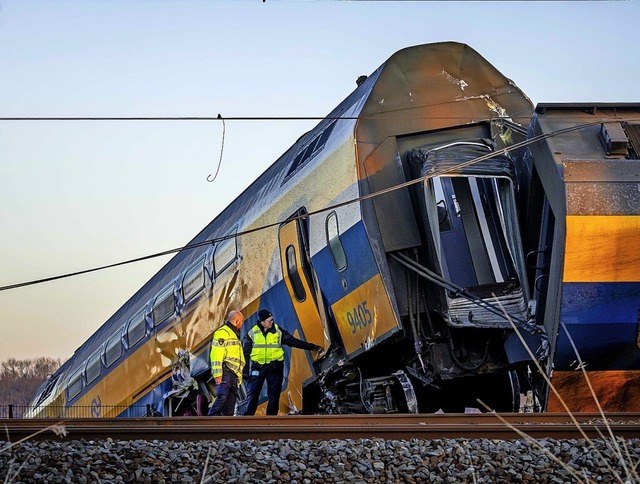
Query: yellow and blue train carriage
point(364, 277)
point(399, 235)
point(588, 279)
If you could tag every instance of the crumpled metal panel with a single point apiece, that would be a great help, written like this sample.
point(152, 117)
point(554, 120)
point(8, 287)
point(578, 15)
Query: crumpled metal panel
point(181, 380)
point(393, 209)
point(453, 161)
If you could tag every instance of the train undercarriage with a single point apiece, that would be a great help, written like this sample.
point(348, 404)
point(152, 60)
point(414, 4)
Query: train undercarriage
point(416, 386)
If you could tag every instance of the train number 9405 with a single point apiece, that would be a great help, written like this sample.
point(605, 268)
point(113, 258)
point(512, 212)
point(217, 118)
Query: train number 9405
point(360, 317)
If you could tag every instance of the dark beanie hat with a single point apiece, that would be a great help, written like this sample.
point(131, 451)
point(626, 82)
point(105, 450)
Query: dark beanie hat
point(263, 314)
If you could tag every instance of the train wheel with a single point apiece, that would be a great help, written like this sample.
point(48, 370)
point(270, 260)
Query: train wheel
point(500, 392)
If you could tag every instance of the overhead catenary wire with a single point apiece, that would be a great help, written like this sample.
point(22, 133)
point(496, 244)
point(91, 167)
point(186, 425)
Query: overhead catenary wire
point(368, 196)
point(172, 118)
point(401, 114)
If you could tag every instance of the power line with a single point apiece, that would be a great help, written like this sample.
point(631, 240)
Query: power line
point(444, 171)
point(398, 114)
point(401, 114)
point(174, 118)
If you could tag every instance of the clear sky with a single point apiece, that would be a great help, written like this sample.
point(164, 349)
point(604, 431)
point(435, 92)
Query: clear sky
point(75, 195)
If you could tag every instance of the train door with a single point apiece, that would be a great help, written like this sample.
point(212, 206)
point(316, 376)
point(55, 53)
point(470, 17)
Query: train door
point(301, 282)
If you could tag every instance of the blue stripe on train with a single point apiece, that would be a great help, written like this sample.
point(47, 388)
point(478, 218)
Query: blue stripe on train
point(361, 266)
point(617, 302)
point(602, 319)
point(150, 402)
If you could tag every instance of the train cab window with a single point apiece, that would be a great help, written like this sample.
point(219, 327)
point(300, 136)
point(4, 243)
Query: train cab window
point(193, 281)
point(294, 275)
point(334, 242)
point(93, 368)
point(164, 306)
point(112, 350)
point(137, 329)
point(473, 217)
point(224, 254)
point(74, 387)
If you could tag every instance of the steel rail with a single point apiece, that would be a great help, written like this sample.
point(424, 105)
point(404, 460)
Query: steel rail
point(396, 427)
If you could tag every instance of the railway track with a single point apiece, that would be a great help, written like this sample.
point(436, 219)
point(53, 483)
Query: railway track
point(426, 426)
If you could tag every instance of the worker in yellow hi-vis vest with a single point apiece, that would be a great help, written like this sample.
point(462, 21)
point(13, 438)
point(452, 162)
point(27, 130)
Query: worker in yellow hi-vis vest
point(263, 346)
point(227, 363)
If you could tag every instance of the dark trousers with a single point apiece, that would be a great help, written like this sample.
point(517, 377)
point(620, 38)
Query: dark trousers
point(271, 372)
point(226, 394)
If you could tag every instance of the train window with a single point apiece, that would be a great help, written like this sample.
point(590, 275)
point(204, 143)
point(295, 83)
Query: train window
point(75, 385)
point(294, 275)
point(224, 254)
point(93, 368)
point(136, 329)
point(164, 306)
point(51, 383)
point(113, 350)
point(334, 242)
point(193, 281)
point(310, 150)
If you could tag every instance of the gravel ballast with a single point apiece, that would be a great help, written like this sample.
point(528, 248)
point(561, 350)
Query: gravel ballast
point(306, 461)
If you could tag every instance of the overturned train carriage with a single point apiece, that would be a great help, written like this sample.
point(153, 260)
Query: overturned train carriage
point(407, 235)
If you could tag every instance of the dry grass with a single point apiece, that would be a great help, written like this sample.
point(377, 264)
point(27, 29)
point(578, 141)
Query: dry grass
point(204, 479)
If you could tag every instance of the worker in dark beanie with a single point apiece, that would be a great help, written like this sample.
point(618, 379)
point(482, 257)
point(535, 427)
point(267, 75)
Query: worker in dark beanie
point(263, 348)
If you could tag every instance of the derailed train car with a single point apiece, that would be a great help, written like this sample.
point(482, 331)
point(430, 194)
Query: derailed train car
point(418, 234)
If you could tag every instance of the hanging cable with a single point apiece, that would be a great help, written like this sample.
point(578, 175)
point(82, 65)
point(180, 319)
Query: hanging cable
point(460, 291)
point(389, 115)
point(224, 130)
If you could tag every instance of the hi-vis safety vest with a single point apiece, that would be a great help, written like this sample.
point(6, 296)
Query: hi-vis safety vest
point(226, 348)
point(266, 347)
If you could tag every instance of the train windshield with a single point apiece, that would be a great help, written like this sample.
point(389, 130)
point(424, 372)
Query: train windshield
point(472, 232)
point(471, 212)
